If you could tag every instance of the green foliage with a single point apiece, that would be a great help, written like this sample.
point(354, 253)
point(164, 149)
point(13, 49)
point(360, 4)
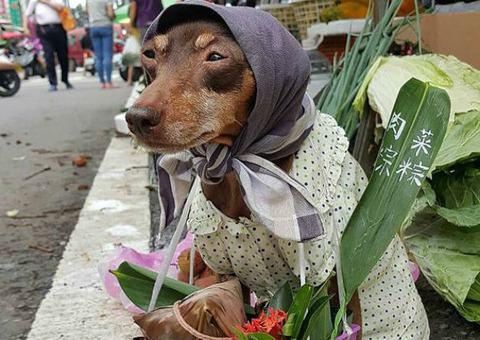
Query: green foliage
point(282, 299)
point(137, 284)
point(322, 324)
point(449, 257)
point(259, 336)
point(316, 324)
point(445, 236)
point(299, 307)
point(462, 141)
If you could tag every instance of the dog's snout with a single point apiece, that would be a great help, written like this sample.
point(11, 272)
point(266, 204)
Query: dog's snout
point(142, 120)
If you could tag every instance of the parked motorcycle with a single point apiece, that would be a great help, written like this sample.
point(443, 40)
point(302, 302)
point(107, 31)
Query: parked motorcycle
point(28, 53)
point(9, 79)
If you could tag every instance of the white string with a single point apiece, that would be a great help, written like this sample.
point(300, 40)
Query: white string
point(162, 272)
point(192, 261)
point(341, 297)
point(301, 263)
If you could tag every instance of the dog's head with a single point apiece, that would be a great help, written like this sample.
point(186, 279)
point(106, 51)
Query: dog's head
point(201, 89)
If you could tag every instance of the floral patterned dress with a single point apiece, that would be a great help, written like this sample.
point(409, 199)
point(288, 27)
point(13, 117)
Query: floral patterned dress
point(391, 306)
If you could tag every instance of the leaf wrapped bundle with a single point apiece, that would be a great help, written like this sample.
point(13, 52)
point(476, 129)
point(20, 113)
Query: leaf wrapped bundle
point(213, 311)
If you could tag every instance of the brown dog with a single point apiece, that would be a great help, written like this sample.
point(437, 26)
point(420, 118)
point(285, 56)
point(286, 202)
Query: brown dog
point(201, 90)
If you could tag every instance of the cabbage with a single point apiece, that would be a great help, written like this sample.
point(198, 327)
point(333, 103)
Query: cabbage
point(449, 257)
point(387, 75)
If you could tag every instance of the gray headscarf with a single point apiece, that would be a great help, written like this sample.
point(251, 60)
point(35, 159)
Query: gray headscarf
point(282, 118)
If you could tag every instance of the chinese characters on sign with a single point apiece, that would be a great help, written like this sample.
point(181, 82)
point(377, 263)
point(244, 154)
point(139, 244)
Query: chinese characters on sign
point(397, 124)
point(410, 170)
point(388, 156)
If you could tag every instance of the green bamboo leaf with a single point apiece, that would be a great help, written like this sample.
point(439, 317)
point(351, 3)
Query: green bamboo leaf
point(239, 335)
point(260, 336)
point(319, 292)
point(282, 299)
point(299, 307)
point(315, 325)
point(414, 136)
point(288, 326)
point(324, 325)
point(137, 284)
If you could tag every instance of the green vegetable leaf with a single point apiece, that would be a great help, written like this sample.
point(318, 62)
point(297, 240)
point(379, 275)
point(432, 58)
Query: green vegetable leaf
point(464, 216)
point(282, 299)
point(421, 114)
point(462, 141)
point(388, 75)
point(137, 284)
point(449, 258)
point(474, 293)
point(299, 307)
point(459, 186)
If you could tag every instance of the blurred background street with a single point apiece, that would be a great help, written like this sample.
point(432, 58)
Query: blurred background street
point(41, 133)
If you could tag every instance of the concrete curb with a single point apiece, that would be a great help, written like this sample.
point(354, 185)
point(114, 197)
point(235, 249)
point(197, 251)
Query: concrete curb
point(115, 211)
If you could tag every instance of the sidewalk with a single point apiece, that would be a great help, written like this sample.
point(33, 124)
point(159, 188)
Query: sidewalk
point(116, 210)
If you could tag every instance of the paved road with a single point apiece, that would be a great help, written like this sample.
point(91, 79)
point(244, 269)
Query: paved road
point(41, 130)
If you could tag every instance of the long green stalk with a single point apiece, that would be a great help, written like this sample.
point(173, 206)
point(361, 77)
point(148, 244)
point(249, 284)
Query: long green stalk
point(348, 74)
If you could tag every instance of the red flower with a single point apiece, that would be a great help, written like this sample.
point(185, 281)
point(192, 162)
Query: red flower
point(271, 324)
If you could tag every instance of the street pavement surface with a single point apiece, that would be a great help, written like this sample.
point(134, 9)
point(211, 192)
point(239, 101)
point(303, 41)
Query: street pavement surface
point(40, 134)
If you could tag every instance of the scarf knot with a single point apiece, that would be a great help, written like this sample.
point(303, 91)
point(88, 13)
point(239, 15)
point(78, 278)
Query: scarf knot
point(212, 162)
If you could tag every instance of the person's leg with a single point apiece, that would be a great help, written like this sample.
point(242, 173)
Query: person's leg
point(97, 42)
point(107, 53)
point(49, 54)
point(130, 76)
point(61, 47)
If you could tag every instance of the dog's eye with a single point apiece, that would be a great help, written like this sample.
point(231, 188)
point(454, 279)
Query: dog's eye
point(150, 54)
point(214, 57)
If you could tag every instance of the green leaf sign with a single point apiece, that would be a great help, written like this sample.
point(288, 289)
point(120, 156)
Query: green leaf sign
point(411, 141)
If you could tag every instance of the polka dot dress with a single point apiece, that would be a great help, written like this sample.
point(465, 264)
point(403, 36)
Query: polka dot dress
point(391, 307)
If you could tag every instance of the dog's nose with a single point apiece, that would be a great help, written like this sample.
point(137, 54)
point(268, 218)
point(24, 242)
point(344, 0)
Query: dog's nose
point(142, 120)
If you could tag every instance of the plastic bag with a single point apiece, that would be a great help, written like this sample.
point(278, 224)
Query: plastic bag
point(131, 52)
point(150, 261)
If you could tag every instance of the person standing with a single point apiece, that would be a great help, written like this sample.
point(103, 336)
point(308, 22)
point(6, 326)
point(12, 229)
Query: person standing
point(53, 37)
point(101, 16)
point(143, 12)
